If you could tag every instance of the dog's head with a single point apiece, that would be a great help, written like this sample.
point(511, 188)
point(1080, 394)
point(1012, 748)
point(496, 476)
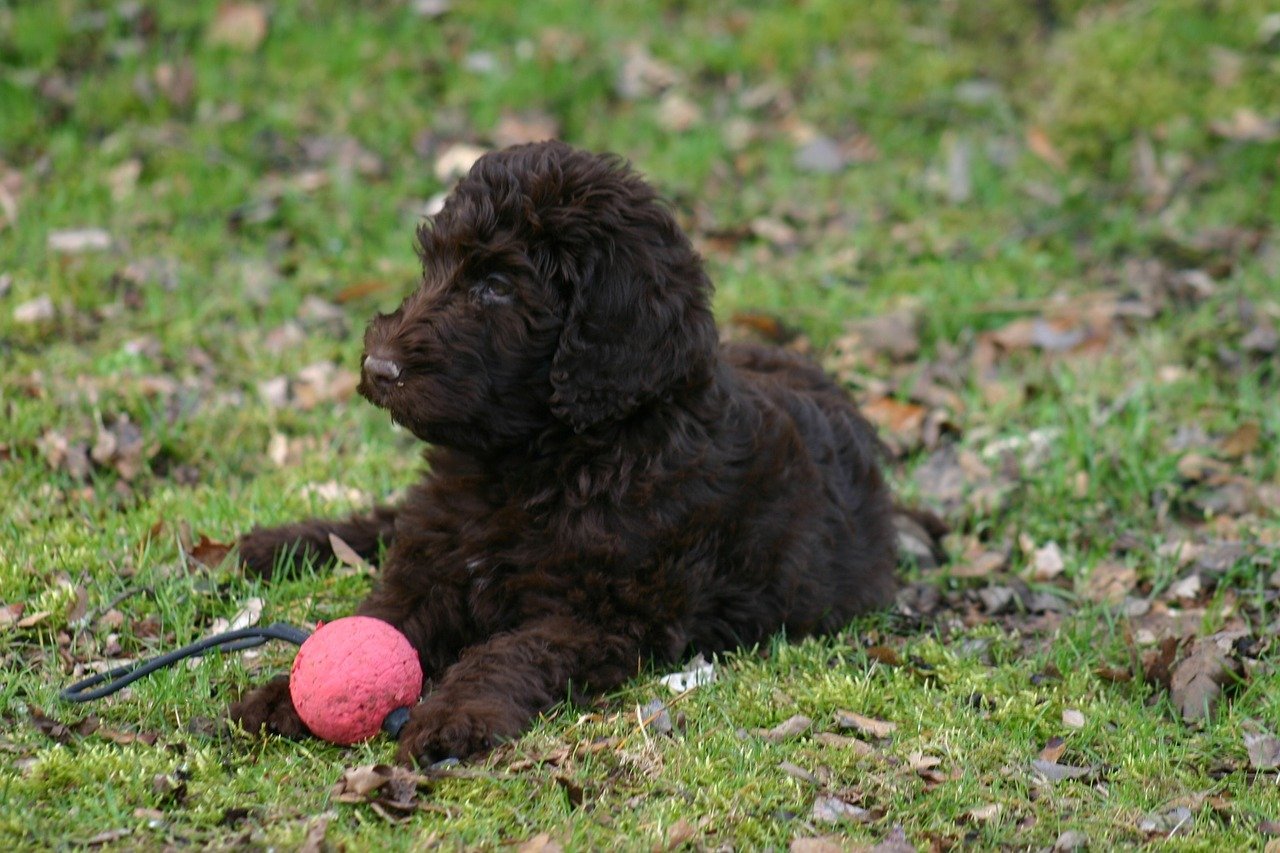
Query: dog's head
point(557, 288)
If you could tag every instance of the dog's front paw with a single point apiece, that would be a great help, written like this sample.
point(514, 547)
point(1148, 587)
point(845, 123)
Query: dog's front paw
point(439, 729)
point(269, 708)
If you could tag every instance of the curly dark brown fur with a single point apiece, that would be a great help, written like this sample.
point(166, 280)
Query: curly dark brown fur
point(606, 484)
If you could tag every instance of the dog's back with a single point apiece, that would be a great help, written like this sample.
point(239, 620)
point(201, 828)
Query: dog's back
point(819, 506)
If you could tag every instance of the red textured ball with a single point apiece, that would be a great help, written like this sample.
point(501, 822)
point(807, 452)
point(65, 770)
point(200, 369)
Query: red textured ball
point(350, 674)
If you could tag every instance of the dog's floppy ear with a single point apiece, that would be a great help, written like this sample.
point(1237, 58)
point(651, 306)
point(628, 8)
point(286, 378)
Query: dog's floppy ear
point(638, 326)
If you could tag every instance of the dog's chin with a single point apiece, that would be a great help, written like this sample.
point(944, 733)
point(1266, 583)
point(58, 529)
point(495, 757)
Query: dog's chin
point(380, 398)
point(457, 433)
point(440, 434)
point(370, 393)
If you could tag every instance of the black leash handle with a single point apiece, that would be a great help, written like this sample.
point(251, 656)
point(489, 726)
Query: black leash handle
point(106, 683)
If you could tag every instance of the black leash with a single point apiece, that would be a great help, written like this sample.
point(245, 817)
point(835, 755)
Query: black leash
point(106, 683)
point(111, 681)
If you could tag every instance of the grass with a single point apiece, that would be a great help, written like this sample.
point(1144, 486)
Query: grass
point(1091, 141)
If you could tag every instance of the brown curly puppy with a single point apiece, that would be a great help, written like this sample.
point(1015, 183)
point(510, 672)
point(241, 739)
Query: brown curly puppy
point(606, 484)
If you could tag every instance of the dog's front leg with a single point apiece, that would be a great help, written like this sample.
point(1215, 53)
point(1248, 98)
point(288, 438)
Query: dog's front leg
point(496, 688)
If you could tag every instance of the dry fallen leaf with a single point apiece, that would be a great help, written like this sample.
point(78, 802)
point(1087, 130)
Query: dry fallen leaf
point(1263, 749)
point(984, 814)
point(1109, 582)
point(1196, 467)
point(49, 726)
point(313, 841)
point(246, 617)
point(789, 728)
point(958, 181)
point(1157, 663)
point(901, 420)
point(866, 725)
point(314, 312)
point(33, 619)
point(1185, 589)
point(1047, 562)
point(274, 392)
point(362, 289)
point(109, 836)
point(1052, 771)
point(795, 771)
point(331, 491)
point(655, 717)
point(540, 843)
point(680, 833)
point(766, 326)
point(919, 541)
point(38, 310)
point(1167, 822)
point(176, 82)
point(124, 178)
point(209, 553)
point(677, 113)
point(894, 335)
point(1262, 339)
point(643, 76)
point(76, 240)
point(1040, 145)
point(884, 655)
point(1246, 125)
point(1242, 441)
point(853, 744)
point(924, 767)
point(1070, 840)
point(821, 844)
point(820, 155)
point(774, 231)
point(829, 809)
point(278, 449)
point(895, 841)
point(124, 738)
point(1053, 749)
point(10, 614)
point(1196, 682)
point(456, 160)
point(522, 127)
point(347, 555)
point(980, 565)
point(239, 26)
point(323, 382)
point(121, 445)
point(357, 783)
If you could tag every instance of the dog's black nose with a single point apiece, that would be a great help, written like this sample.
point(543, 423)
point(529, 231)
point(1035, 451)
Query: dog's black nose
point(381, 369)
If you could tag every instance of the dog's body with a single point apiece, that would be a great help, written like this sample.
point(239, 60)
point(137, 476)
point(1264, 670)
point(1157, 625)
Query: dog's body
point(607, 485)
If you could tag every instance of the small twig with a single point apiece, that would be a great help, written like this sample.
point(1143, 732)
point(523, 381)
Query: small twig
point(644, 727)
point(644, 723)
point(97, 613)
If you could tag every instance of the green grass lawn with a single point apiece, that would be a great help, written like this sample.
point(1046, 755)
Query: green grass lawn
point(1068, 206)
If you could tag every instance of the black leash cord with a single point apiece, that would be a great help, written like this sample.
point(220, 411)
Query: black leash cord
point(109, 682)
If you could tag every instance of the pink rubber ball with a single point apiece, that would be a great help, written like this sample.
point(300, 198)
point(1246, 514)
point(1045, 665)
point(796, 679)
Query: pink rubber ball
point(350, 674)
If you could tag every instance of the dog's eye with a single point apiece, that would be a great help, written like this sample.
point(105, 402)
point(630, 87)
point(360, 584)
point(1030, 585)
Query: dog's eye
point(496, 288)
